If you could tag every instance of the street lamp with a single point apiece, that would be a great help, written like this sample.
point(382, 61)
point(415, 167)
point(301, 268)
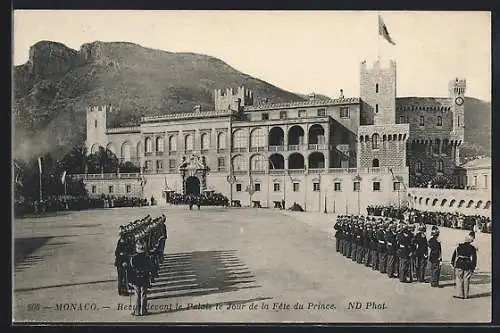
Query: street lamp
point(358, 179)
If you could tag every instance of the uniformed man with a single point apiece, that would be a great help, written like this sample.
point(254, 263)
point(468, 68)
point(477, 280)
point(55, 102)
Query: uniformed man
point(354, 239)
point(374, 246)
point(464, 260)
point(121, 262)
point(366, 243)
point(403, 253)
point(360, 254)
point(348, 237)
point(382, 249)
point(390, 239)
point(337, 227)
point(141, 266)
point(421, 253)
point(435, 257)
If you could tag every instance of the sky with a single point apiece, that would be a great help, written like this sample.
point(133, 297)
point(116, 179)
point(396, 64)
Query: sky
point(299, 51)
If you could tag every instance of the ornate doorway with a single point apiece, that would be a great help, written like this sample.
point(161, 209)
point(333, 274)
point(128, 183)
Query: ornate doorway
point(193, 185)
point(194, 174)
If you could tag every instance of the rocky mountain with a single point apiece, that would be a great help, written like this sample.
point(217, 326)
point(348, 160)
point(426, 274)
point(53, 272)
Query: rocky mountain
point(54, 87)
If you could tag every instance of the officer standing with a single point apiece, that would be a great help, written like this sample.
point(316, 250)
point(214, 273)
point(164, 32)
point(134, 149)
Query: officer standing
point(374, 246)
point(382, 250)
point(435, 257)
point(464, 260)
point(391, 243)
point(366, 243)
point(403, 252)
point(121, 263)
point(421, 253)
point(338, 242)
point(142, 267)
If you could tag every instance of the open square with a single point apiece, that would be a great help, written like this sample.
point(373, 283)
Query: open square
point(227, 265)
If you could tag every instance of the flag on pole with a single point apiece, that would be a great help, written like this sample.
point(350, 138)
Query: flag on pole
point(40, 164)
point(63, 178)
point(382, 30)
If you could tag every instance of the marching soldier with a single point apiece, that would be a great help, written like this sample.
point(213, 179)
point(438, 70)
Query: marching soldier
point(354, 239)
point(464, 260)
point(141, 266)
point(359, 243)
point(374, 246)
point(122, 253)
point(338, 238)
point(435, 257)
point(391, 243)
point(366, 243)
point(411, 260)
point(382, 250)
point(403, 253)
point(421, 254)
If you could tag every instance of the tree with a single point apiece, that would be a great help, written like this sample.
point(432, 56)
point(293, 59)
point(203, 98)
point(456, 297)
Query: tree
point(104, 160)
point(74, 161)
point(129, 167)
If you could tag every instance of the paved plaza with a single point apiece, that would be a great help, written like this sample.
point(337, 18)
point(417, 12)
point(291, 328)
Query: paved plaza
point(227, 265)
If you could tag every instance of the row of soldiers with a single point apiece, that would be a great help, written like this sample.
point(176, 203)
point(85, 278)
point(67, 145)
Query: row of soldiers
point(390, 246)
point(138, 256)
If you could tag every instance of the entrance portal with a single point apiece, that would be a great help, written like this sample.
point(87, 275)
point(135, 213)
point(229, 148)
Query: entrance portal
point(193, 185)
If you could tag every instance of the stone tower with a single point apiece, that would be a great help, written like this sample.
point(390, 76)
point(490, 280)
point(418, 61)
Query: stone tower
point(378, 93)
point(231, 99)
point(456, 93)
point(96, 126)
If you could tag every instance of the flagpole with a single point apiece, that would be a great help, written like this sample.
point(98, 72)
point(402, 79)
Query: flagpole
point(40, 178)
point(378, 36)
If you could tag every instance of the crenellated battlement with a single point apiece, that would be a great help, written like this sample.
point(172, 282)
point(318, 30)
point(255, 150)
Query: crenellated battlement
point(100, 108)
point(234, 99)
point(457, 86)
point(378, 65)
point(424, 107)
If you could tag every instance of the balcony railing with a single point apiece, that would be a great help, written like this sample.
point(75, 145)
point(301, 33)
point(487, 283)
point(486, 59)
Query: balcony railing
point(172, 152)
point(296, 171)
point(257, 149)
point(257, 171)
point(148, 153)
point(316, 170)
point(239, 149)
point(101, 176)
point(317, 146)
point(159, 153)
point(276, 171)
point(221, 150)
point(276, 148)
point(221, 169)
point(240, 172)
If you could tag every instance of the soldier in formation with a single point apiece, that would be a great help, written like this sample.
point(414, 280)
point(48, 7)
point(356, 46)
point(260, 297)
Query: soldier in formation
point(385, 244)
point(138, 256)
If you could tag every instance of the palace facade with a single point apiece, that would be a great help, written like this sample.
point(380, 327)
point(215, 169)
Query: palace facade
point(338, 154)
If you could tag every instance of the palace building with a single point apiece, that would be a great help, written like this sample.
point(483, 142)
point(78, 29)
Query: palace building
point(337, 154)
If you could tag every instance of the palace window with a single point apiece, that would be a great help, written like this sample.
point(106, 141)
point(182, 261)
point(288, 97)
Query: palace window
point(440, 166)
point(276, 187)
point(159, 144)
point(148, 145)
point(402, 119)
point(257, 138)
point(376, 186)
point(221, 141)
point(95, 123)
point(205, 141)
point(265, 116)
point(421, 121)
point(221, 163)
point(110, 189)
point(321, 112)
point(316, 187)
point(256, 187)
point(94, 189)
point(172, 143)
point(375, 140)
point(376, 108)
point(159, 164)
point(188, 143)
point(439, 121)
point(375, 163)
point(296, 187)
point(336, 187)
point(128, 188)
point(282, 114)
point(485, 181)
point(376, 88)
point(239, 139)
point(172, 164)
point(418, 167)
point(396, 186)
point(356, 186)
point(238, 187)
point(344, 112)
point(302, 113)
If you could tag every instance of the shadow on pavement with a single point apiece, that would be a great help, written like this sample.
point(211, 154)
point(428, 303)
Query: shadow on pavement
point(24, 247)
point(448, 274)
point(78, 225)
point(239, 302)
point(64, 285)
point(201, 273)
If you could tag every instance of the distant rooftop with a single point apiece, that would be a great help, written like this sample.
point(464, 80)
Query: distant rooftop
point(484, 162)
point(309, 103)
